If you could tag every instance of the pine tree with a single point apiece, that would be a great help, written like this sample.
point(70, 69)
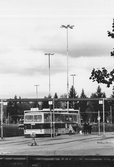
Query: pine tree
point(83, 94)
point(83, 106)
point(57, 104)
point(45, 103)
point(73, 94)
point(94, 106)
point(63, 104)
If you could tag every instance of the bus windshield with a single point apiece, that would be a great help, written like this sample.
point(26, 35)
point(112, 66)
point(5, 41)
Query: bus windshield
point(37, 118)
point(28, 118)
point(33, 118)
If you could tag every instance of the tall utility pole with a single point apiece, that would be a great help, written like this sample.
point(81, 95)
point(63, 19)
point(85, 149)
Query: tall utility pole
point(103, 119)
point(36, 90)
point(49, 54)
point(71, 27)
point(73, 75)
point(1, 119)
point(36, 93)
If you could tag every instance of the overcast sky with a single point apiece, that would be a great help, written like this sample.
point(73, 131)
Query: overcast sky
point(31, 28)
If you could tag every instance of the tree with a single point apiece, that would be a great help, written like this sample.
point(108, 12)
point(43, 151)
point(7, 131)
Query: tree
point(57, 104)
point(83, 106)
point(63, 103)
point(94, 106)
point(83, 95)
point(45, 103)
point(35, 104)
point(99, 93)
point(111, 103)
point(15, 110)
point(73, 94)
point(111, 34)
point(12, 110)
point(103, 76)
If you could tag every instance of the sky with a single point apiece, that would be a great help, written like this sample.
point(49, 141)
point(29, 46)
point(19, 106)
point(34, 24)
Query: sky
point(31, 28)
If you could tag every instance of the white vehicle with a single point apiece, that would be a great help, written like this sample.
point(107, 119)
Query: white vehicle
point(46, 122)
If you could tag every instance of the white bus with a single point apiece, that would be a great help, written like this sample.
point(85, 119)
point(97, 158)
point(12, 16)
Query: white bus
point(46, 122)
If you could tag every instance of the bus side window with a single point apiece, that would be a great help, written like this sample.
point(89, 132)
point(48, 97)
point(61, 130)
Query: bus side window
point(70, 117)
point(58, 118)
point(66, 118)
point(75, 118)
point(46, 117)
point(63, 118)
point(37, 118)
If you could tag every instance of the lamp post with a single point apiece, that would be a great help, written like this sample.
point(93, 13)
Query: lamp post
point(102, 102)
point(36, 90)
point(49, 54)
point(71, 27)
point(36, 93)
point(103, 119)
point(1, 119)
point(73, 75)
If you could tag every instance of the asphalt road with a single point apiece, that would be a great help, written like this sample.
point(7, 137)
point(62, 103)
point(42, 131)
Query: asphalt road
point(76, 144)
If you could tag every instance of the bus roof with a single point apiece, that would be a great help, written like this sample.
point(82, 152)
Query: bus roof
point(58, 110)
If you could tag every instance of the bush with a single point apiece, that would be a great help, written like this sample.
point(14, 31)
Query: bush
point(11, 130)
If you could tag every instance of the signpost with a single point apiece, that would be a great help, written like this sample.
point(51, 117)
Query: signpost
point(102, 102)
point(2, 103)
point(103, 119)
point(98, 122)
point(50, 103)
point(1, 119)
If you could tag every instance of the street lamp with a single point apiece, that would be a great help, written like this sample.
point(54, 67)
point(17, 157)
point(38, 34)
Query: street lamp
point(49, 54)
point(2, 103)
point(73, 75)
point(36, 90)
point(102, 102)
point(1, 119)
point(36, 93)
point(103, 119)
point(71, 27)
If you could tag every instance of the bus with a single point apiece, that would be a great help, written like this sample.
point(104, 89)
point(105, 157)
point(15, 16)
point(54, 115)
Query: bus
point(50, 122)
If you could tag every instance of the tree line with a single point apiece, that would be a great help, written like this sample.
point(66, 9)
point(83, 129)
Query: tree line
point(14, 111)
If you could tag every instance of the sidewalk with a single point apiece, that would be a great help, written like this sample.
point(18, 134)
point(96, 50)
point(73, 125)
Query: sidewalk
point(78, 144)
point(108, 137)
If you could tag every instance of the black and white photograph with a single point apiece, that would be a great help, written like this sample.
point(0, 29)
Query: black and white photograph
point(56, 83)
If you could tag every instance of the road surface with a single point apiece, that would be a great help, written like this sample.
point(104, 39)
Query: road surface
point(76, 144)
